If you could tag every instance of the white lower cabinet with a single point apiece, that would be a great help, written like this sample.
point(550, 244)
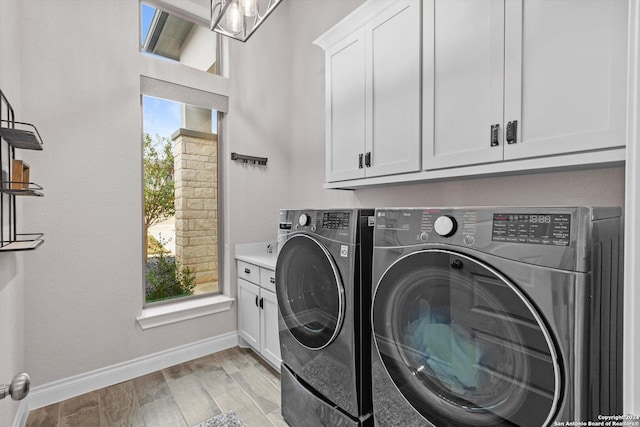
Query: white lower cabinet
point(248, 314)
point(258, 313)
point(269, 334)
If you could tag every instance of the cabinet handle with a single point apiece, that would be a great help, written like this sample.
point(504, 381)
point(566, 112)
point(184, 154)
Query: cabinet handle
point(367, 159)
point(360, 156)
point(512, 132)
point(257, 301)
point(262, 303)
point(247, 271)
point(272, 280)
point(494, 135)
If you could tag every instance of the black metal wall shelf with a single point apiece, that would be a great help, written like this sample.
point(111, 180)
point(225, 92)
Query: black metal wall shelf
point(23, 243)
point(23, 136)
point(32, 189)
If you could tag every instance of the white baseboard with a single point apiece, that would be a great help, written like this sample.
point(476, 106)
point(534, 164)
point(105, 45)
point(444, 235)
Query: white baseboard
point(20, 420)
point(67, 388)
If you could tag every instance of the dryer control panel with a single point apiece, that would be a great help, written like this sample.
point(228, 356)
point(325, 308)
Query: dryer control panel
point(428, 225)
point(538, 229)
point(555, 237)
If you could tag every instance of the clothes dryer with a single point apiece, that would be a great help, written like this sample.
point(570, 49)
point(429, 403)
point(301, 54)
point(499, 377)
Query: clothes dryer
point(496, 316)
point(323, 286)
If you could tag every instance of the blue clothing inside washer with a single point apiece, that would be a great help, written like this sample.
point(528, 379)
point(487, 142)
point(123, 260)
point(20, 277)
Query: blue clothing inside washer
point(447, 349)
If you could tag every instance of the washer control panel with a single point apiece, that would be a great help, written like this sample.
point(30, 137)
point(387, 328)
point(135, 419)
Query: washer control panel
point(539, 228)
point(304, 220)
point(336, 224)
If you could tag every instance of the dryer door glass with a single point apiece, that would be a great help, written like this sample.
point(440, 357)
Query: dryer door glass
point(310, 292)
point(462, 343)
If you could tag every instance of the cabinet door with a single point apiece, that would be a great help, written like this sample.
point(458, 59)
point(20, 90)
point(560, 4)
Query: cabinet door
point(565, 70)
point(345, 108)
point(249, 313)
point(393, 77)
point(463, 62)
point(270, 339)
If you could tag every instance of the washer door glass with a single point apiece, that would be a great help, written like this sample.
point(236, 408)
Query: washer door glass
point(310, 292)
point(462, 343)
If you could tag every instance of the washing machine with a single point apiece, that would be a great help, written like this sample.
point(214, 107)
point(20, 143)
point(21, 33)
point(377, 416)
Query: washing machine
point(502, 316)
point(323, 287)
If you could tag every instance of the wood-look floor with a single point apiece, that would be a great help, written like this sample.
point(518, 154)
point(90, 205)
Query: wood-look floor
point(180, 396)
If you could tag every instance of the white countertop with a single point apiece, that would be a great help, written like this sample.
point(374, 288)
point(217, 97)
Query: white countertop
point(258, 254)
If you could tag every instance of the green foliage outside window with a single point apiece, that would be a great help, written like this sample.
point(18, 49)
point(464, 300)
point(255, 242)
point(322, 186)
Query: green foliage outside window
point(159, 195)
point(166, 278)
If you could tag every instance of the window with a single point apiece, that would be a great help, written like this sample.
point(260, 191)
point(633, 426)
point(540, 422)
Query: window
point(181, 171)
point(173, 38)
point(180, 145)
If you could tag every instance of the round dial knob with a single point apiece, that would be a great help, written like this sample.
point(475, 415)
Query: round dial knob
point(304, 220)
point(445, 226)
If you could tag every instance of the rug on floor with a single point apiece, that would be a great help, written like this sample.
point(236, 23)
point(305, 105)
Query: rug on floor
point(226, 419)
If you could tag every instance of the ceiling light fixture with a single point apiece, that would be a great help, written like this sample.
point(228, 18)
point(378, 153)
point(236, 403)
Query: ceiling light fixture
point(238, 19)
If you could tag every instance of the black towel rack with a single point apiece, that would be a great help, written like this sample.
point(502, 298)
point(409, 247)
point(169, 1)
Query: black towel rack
point(249, 159)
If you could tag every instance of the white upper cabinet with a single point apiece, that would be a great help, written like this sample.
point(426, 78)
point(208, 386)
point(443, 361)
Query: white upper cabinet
point(513, 79)
point(565, 75)
point(345, 107)
point(393, 76)
point(373, 91)
point(463, 66)
point(430, 89)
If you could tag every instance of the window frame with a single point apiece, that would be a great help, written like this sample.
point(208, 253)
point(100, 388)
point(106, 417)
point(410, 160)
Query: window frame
point(181, 83)
point(191, 96)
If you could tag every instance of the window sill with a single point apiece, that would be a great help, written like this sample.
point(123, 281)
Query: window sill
point(183, 310)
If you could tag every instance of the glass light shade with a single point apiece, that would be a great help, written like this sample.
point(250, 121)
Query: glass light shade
point(238, 19)
point(234, 18)
point(248, 7)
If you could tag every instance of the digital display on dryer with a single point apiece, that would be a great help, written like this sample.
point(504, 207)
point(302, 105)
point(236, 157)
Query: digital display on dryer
point(336, 220)
point(537, 229)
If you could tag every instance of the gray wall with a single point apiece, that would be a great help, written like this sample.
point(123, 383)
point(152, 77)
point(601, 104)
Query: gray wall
point(83, 288)
point(277, 111)
point(599, 187)
point(258, 125)
point(11, 264)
